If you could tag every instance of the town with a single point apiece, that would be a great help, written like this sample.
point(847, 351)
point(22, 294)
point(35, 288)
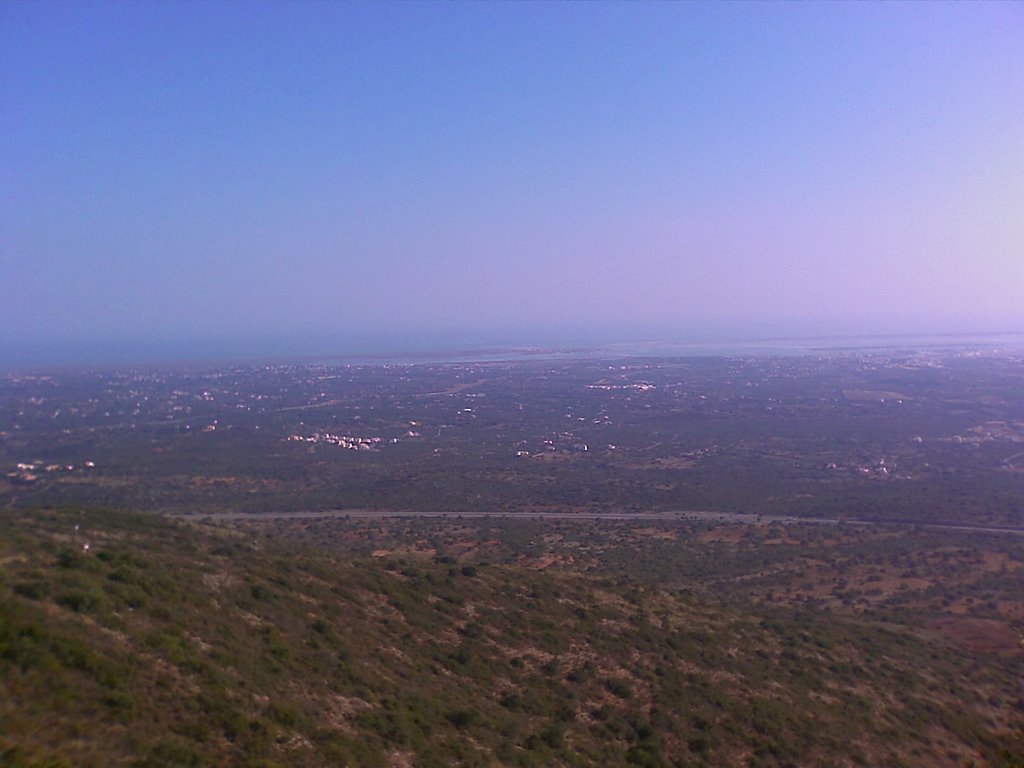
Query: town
point(923, 435)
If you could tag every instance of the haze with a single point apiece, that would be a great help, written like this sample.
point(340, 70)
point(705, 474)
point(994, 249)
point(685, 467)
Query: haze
point(260, 174)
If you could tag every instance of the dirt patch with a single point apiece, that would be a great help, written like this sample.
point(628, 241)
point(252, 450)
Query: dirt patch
point(413, 550)
point(662, 534)
point(400, 760)
point(675, 462)
point(547, 561)
point(219, 581)
point(338, 711)
point(731, 534)
point(980, 634)
point(202, 481)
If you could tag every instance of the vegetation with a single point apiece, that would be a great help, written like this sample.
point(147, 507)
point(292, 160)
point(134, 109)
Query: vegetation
point(438, 643)
point(712, 562)
point(935, 437)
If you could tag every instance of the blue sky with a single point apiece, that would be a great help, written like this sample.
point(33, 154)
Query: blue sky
point(509, 171)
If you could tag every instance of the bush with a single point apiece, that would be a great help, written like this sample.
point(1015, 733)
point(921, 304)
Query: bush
point(699, 744)
point(33, 590)
point(70, 558)
point(461, 718)
point(81, 601)
point(283, 714)
point(618, 687)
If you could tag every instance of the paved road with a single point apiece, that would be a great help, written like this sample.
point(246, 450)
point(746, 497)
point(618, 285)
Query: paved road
point(694, 515)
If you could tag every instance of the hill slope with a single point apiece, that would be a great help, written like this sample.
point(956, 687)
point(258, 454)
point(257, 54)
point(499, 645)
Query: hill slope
point(168, 644)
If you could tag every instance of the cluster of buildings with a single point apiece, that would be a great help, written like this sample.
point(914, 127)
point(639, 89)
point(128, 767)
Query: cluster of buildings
point(343, 441)
point(640, 386)
point(29, 472)
point(880, 469)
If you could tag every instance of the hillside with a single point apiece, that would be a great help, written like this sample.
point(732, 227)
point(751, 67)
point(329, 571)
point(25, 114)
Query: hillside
point(174, 644)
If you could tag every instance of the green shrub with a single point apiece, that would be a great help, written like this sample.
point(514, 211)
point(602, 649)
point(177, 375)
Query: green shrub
point(33, 590)
point(618, 687)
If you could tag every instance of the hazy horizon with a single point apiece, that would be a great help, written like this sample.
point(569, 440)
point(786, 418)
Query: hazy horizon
point(147, 351)
point(266, 177)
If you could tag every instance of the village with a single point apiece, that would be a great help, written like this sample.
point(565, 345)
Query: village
point(840, 432)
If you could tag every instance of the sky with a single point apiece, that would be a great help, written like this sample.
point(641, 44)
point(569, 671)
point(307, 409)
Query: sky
point(389, 174)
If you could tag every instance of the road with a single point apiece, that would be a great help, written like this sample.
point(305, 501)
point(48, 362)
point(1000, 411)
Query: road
point(681, 515)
